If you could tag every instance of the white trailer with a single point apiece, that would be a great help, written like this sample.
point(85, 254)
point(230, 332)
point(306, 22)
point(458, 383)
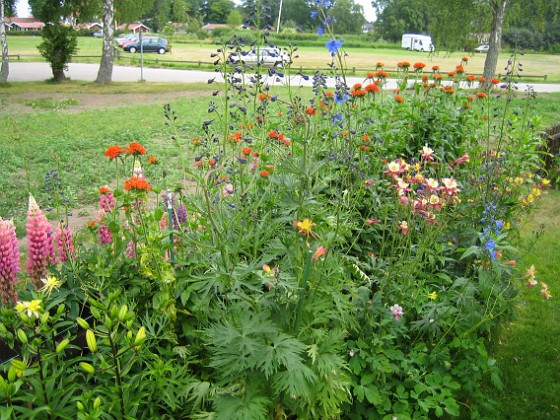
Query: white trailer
point(415, 42)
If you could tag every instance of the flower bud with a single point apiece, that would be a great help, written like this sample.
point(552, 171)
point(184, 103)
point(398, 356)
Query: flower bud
point(62, 345)
point(18, 364)
point(3, 329)
point(87, 367)
point(97, 403)
point(95, 312)
point(140, 336)
point(82, 323)
point(91, 341)
point(80, 406)
point(12, 374)
point(122, 312)
point(60, 309)
point(22, 336)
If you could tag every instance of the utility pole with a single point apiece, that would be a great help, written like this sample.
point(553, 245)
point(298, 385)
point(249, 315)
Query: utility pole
point(279, 16)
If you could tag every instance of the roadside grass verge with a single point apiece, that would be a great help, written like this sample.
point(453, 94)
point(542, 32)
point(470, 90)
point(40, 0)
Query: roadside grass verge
point(527, 349)
point(309, 57)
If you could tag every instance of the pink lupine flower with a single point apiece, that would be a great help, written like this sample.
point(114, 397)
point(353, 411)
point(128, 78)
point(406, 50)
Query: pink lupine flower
point(64, 244)
point(106, 199)
point(40, 247)
point(396, 311)
point(104, 236)
point(9, 262)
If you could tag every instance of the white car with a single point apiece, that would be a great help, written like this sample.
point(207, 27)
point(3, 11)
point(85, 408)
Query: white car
point(267, 56)
point(482, 48)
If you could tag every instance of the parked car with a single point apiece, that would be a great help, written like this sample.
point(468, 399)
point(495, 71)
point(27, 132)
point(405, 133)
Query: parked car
point(269, 57)
point(98, 34)
point(482, 48)
point(149, 44)
point(127, 39)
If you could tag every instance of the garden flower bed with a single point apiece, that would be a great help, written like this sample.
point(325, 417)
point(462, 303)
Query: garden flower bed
point(344, 252)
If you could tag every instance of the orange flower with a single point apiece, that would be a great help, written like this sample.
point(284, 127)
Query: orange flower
point(481, 95)
point(264, 173)
point(399, 99)
point(135, 149)
point(304, 227)
point(482, 79)
point(246, 151)
point(495, 81)
point(451, 73)
point(419, 65)
point(435, 68)
point(310, 111)
point(236, 136)
point(357, 86)
point(137, 184)
point(370, 75)
point(196, 140)
point(460, 69)
point(465, 59)
point(104, 189)
point(471, 78)
point(113, 151)
point(154, 160)
point(372, 88)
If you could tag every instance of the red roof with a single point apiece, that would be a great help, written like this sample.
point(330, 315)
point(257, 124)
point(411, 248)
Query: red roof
point(29, 23)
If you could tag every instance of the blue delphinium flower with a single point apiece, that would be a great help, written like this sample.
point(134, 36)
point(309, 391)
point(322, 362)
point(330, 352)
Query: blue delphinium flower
point(320, 31)
point(333, 45)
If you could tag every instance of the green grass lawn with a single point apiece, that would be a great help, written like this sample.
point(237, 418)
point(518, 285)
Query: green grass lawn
point(311, 58)
point(528, 348)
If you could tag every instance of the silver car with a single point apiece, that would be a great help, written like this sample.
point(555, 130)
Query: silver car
point(267, 56)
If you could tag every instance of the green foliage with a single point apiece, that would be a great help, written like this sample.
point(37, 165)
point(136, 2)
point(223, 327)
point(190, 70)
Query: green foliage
point(58, 46)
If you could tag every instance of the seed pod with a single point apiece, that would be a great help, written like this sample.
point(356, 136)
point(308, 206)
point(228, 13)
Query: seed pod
point(62, 345)
point(22, 336)
point(87, 367)
point(82, 323)
point(91, 341)
point(140, 336)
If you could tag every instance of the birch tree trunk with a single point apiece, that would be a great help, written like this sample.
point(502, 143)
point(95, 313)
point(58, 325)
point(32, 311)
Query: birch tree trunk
point(495, 44)
point(105, 73)
point(5, 68)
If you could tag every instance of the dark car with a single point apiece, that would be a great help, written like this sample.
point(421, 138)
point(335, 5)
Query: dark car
point(149, 44)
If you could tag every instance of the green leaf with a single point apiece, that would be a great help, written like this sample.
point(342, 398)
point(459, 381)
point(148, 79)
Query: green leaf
point(373, 395)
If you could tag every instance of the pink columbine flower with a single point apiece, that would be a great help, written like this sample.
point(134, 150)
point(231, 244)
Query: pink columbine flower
point(462, 159)
point(450, 186)
point(396, 311)
point(40, 247)
point(370, 222)
point(403, 227)
point(9, 261)
point(64, 244)
point(320, 251)
point(427, 153)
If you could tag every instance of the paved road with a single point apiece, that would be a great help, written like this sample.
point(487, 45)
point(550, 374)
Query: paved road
point(28, 72)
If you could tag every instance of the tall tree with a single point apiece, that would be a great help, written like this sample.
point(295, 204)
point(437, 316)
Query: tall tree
point(105, 73)
point(128, 10)
point(348, 17)
point(6, 9)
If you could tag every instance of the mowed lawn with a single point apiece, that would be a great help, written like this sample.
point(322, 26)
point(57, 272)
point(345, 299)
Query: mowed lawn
point(315, 58)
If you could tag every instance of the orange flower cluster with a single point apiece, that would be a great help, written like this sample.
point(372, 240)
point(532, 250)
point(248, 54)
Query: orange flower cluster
point(135, 149)
point(137, 184)
point(419, 65)
point(280, 137)
point(113, 152)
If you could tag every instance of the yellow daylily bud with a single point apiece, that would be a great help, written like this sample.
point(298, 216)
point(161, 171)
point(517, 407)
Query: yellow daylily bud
point(12, 374)
point(80, 406)
point(122, 312)
point(62, 345)
point(87, 367)
point(97, 403)
point(3, 329)
point(22, 336)
point(91, 341)
point(82, 323)
point(95, 312)
point(18, 364)
point(140, 336)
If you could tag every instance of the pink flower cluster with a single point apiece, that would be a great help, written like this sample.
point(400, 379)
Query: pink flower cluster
point(9, 262)
point(40, 247)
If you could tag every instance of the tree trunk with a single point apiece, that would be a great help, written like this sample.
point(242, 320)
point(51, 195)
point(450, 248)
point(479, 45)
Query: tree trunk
point(495, 44)
point(5, 68)
point(105, 73)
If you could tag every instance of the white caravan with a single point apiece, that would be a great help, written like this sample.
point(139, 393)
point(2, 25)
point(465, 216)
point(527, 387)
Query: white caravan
point(417, 42)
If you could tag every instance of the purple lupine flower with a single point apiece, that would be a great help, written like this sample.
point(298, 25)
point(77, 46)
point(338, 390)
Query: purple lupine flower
point(9, 262)
point(40, 248)
point(130, 252)
point(106, 199)
point(181, 214)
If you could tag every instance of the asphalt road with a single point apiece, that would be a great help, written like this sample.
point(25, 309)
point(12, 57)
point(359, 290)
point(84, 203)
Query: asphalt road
point(29, 72)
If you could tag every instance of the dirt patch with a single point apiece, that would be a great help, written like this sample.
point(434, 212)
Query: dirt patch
point(72, 103)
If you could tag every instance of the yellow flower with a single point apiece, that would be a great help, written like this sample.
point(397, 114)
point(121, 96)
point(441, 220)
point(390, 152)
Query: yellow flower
point(545, 182)
point(304, 227)
point(50, 283)
point(432, 296)
point(32, 308)
point(531, 271)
